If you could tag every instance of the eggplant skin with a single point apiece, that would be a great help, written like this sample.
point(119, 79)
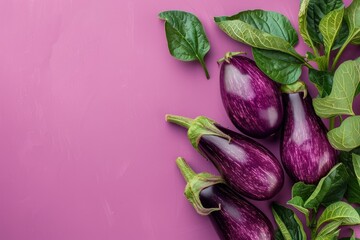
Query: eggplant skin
point(306, 153)
point(247, 167)
point(237, 219)
point(251, 99)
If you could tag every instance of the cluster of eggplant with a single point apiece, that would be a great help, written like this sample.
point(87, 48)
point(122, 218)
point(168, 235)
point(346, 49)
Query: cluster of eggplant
point(259, 108)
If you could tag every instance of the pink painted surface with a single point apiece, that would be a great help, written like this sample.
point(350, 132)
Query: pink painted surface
point(85, 151)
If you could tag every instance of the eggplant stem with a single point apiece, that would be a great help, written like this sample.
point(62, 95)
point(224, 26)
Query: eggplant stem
point(185, 169)
point(229, 55)
point(179, 120)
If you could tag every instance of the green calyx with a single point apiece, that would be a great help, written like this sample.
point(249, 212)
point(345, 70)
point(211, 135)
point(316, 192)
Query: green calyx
point(195, 184)
point(228, 56)
point(197, 128)
point(295, 87)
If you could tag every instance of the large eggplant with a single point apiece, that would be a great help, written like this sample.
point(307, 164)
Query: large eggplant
point(306, 153)
point(251, 99)
point(233, 217)
point(246, 166)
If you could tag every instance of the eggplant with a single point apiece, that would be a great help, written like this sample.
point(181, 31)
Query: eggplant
point(233, 217)
point(251, 99)
point(305, 151)
point(247, 167)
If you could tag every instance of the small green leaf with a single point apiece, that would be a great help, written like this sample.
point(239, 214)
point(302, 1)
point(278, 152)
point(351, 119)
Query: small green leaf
point(330, 188)
point(280, 67)
point(255, 36)
point(339, 211)
point(331, 236)
point(303, 24)
point(353, 189)
point(356, 165)
point(289, 224)
point(352, 16)
point(323, 81)
point(302, 190)
point(342, 36)
point(346, 136)
point(329, 27)
point(329, 228)
point(315, 12)
point(269, 22)
point(300, 193)
point(278, 235)
point(186, 37)
point(346, 80)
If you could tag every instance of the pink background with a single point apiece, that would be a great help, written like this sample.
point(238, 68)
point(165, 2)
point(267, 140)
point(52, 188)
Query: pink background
point(85, 151)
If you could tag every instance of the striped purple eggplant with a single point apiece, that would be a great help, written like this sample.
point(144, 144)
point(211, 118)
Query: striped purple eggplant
point(233, 217)
point(306, 153)
point(246, 166)
point(251, 99)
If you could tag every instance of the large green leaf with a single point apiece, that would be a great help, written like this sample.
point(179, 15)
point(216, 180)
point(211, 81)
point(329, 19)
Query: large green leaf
point(339, 211)
point(289, 224)
point(330, 188)
point(278, 235)
point(280, 67)
point(316, 11)
point(329, 27)
point(186, 37)
point(346, 80)
point(347, 136)
point(323, 81)
point(269, 22)
point(352, 16)
point(250, 34)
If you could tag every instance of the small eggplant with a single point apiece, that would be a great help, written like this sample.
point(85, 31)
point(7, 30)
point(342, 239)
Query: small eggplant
point(246, 166)
point(233, 217)
point(251, 99)
point(305, 150)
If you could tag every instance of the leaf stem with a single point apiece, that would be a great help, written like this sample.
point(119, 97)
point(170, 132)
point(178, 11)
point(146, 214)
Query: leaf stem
point(185, 169)
point(202, 62)
point(331, 123)
point(339, 53)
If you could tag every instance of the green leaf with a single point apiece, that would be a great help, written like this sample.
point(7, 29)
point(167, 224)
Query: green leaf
point(315, 12)
point(329, 228)
point(302, 190)
point(186, 37)
point(323, 81)
point(356, 165)
point(300, 193)
point(346, 136)
point(269, 22)
point(289, 224)
point(303, 28)
point(280, 67)
point(330, 188)
point(339, 211)
point(346, 80)
point(278, 235)
point(329, 27)
point(331, 236)
point(342, 36)
point(255, 36)
point(353, 189)
point(352, 16)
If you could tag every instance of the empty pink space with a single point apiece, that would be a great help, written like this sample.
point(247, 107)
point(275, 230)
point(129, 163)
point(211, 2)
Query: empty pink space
point(85, 152)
